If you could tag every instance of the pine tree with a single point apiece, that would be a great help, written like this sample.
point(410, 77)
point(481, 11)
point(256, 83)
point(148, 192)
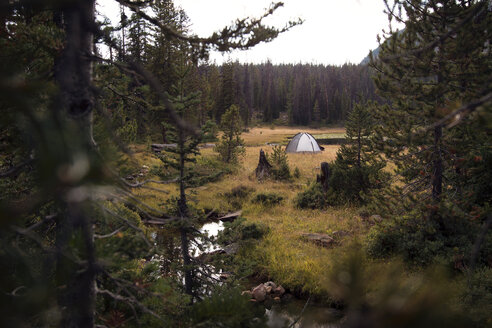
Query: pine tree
point(187, 147)
point(357, 169)
point(228, 86)
point(231, 145)
point(431, 75)
point(424, 79)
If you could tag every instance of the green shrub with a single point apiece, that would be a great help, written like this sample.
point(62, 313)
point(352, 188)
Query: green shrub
point(477, 297)
point(226, 307)
point(238, 195)
point(238, 230)
point(313, 197)
point(421, 240)
point(206, 170)
point(297, 173)
point(128, 132)
point(280, 165)
point(267, 199)
point(210, 131)
point(347, 185)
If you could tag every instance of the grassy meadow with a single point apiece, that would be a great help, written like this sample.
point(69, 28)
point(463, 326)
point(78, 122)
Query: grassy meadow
point(283, 255)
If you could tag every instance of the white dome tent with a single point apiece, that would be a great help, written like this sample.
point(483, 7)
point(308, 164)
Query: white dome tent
point(303, 143)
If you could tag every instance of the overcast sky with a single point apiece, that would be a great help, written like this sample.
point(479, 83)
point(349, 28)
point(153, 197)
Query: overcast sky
point(334, 31)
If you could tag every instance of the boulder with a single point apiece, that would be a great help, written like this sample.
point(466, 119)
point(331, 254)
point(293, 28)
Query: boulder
point(259, 293)
point(320, 239)
point(271, 284)
point(279, 290)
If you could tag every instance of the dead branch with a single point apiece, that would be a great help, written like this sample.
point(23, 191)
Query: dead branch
point(109, 234)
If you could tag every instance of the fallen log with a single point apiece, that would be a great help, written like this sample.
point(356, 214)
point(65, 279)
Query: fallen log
point(230, 216)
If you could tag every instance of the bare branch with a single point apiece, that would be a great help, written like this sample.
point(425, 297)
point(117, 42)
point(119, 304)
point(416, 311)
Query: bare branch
point(109, 234)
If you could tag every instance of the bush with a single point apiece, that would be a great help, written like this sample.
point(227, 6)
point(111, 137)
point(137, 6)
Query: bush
point(210, 131)
point(128, 132)
point(267, 199)
point(477, 297)
point(297, 173)
point(238, 195)
point(280, 164)
point(238, 230)
point(206, 170)
point(347, 185)
point(313, 197)
point(226, 307)
point(421, 240)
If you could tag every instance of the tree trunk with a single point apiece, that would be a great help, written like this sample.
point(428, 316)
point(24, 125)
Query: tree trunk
point(183, 209)
point(437, 166)
point(76, 282)
point(73, 74)
point(263, 169)
point(324, 178)
point(359, 147)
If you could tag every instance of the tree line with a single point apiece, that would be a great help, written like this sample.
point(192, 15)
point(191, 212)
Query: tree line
point(296, 94)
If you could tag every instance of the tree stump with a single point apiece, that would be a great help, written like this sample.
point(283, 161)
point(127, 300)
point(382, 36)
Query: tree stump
point(324, 178)
point(263, 169)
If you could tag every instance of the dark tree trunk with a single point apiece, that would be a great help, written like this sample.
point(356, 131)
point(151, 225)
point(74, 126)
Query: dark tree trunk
point(183, 209)
point(324, 178)
point(76, 281)
point(359, 147)
point(263, 169)
point(437, 166)
point(73, 74)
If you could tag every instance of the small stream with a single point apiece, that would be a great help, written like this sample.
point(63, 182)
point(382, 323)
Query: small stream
point(281, 315)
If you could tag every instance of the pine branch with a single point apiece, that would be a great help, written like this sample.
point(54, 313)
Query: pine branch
point(481, 7)
point(228, 38)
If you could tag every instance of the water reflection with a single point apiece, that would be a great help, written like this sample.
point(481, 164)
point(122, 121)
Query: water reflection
point(314, 316)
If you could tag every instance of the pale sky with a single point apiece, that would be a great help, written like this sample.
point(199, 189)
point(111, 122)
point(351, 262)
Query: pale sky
point(334, 31)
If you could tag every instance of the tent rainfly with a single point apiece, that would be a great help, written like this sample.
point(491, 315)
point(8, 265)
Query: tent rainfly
point(303, 142)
